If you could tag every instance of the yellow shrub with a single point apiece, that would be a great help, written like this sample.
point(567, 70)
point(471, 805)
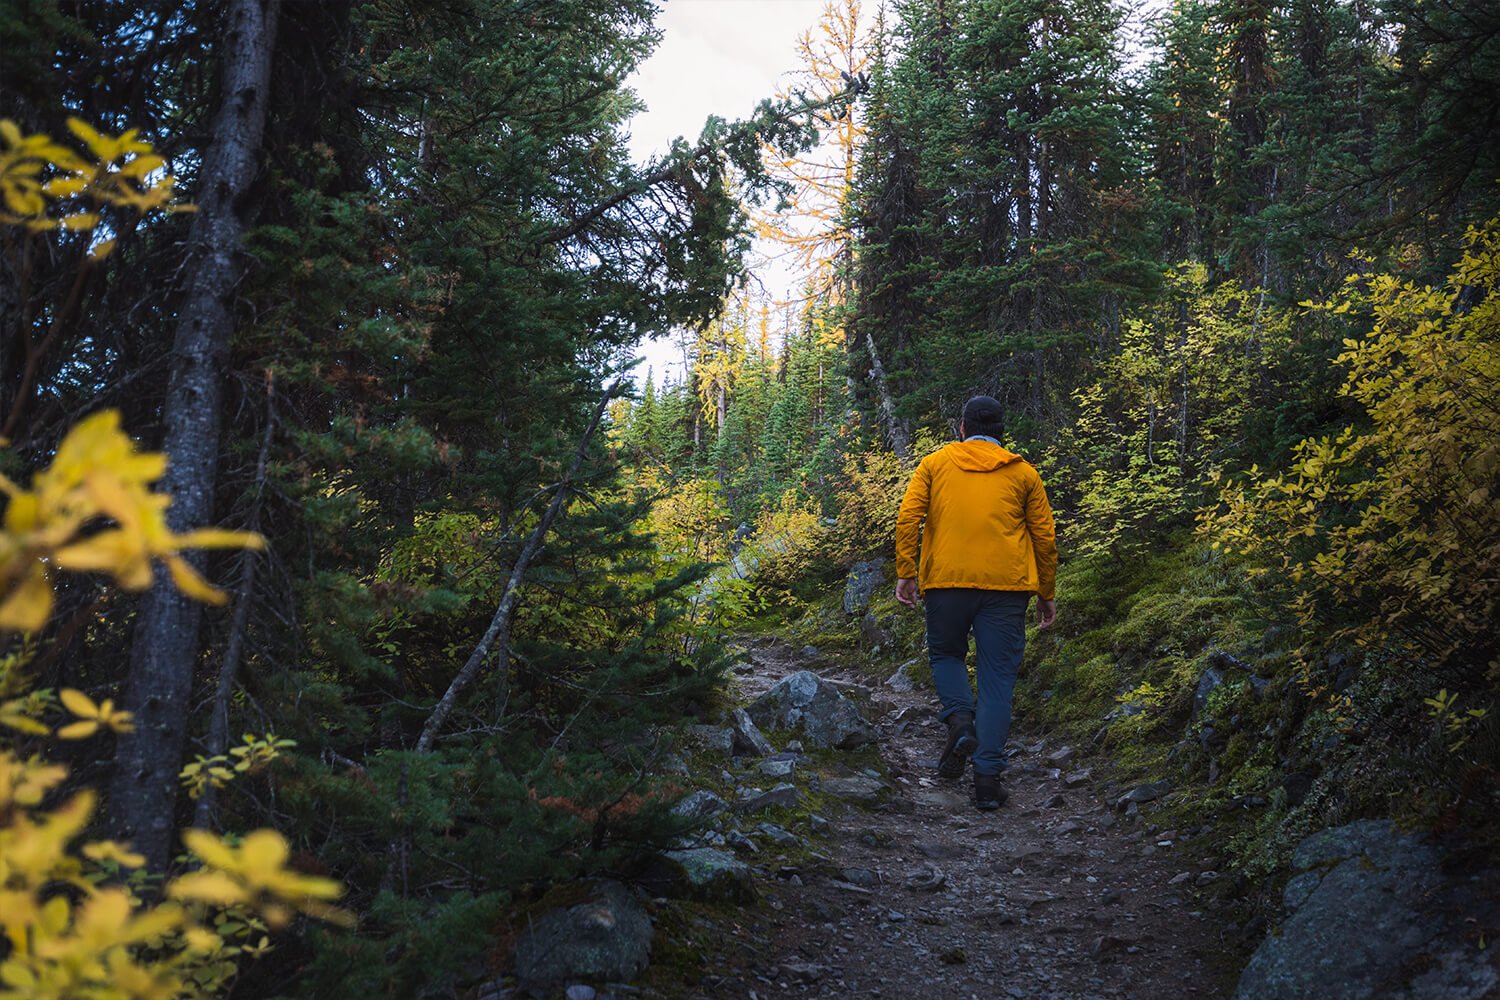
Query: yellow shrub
point(74, 926)
point(1391, 531)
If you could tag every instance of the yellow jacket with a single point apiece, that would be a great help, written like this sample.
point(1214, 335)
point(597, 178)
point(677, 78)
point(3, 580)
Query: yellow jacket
point(988, 522)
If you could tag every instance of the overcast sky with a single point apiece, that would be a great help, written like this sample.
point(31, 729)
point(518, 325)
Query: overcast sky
point(716, 57)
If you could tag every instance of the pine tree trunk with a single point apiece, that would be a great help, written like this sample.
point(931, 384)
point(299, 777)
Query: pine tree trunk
point(900, 437)
point(165, 646)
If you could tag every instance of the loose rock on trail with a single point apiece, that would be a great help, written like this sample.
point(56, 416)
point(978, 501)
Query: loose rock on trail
point(908, 891)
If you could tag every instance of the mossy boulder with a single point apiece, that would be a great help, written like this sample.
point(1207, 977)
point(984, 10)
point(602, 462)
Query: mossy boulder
point(606, 937)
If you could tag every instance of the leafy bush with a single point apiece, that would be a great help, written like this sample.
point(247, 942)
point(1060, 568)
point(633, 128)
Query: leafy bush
point(1389, 531)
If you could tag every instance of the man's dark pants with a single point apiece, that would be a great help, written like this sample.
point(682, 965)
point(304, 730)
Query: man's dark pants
point(998, 620)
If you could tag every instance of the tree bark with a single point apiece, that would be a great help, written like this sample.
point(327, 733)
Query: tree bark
point(234, 651)
point(895, 429)
point(165, 646)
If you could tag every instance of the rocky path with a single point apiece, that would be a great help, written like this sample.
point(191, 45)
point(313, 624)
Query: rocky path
point(917, 894)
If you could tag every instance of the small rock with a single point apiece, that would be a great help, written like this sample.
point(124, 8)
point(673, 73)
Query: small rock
point(901, 681)
point(794, 746)
point(1067, 827)
point(703, 873)
point(940, 849)
point(1062, 757)
point(747, 739)
point(862, 877)
point(857, 788)
point(1179, 878)
point(1107, 944)
point(717, 738)
point(802, 972)
point(925, 879)
point(784, 796)
point(1143, 793)
point(872, 634)
point(700, 805)
point(673, 763)
point(1206, 878)
point(777, 834)
point(1076, 778)
point(1056, 802)
point(778, 768)
point(579, 991)
point(817, 824)
point(809, 652)
point(740, 842)
point(864, 579)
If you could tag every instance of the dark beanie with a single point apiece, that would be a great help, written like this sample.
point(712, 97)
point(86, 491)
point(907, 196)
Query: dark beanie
point(983, 415)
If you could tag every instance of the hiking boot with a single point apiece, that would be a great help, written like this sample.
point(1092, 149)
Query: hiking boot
point(962, 742)
point(988, 792)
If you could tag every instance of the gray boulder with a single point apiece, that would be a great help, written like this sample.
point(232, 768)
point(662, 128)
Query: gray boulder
point(1372, 915)
point(784, 796)
point(716, 738)
point(807, 702)
point(747, 739)
point(607, 937)
point(703, 873)
point(700, 805)
point(863, 580)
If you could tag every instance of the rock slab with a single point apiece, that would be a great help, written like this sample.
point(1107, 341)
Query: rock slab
point(1370, 917)
point(807, 702)
point(606, 937)
point(702, 873)
point(863, 580)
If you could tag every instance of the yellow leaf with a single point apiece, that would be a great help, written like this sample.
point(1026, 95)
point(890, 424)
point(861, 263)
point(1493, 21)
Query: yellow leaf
point(219, 538)
point(102, 250)
point(23, 723)
point(140, 166)
point(208, 887)
point(64, 187)
point(209, 848)
point(78, 703)
point(80, 221)
point(107, 551)
point(79, 730)
point(263, 851)
point(109, 850)
point(26, 608)
point(104, 149)
point(191, 583)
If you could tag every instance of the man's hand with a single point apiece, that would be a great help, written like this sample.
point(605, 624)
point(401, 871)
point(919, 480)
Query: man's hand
point(1046, 613)
point(906, 592)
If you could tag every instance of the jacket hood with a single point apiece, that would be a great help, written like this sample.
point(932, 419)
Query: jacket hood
point(979, 456)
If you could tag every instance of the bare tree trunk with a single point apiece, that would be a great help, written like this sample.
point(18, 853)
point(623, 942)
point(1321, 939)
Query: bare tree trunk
point(165, 649)
point(895, 428)
point(234, 650)
point(497, 636)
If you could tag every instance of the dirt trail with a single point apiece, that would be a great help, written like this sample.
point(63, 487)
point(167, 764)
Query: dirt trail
point(1050, 898)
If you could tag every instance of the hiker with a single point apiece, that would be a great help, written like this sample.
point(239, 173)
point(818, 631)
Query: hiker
point(987, 546)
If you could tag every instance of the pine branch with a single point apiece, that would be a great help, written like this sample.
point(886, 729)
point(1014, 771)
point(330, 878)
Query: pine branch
point(499, 629)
